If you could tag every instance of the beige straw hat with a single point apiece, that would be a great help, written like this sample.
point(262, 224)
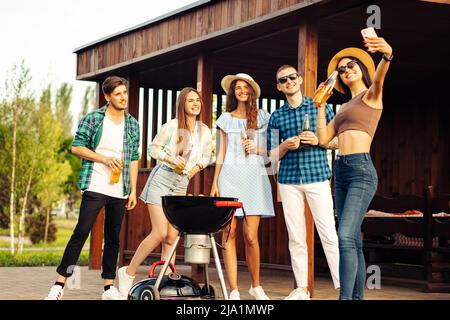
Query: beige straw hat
point(226, 82)
point(360, 54)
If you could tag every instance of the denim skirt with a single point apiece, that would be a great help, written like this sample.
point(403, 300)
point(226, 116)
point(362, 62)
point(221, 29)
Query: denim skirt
point(163, 181)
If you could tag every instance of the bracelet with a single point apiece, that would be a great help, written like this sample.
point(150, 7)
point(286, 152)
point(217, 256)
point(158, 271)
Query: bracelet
point(386, 58)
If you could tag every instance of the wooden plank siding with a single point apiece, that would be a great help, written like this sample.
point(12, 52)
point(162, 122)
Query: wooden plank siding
point(411, 152)
point(212, 18)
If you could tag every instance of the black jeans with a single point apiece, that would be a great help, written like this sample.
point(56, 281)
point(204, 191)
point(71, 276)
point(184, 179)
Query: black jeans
point(91, 203)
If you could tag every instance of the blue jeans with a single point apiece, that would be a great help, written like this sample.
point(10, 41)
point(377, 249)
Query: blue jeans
point(355, 185)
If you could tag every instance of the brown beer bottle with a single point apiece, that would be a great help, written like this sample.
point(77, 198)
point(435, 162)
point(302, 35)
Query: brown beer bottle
point(324, 92)
point(305, 127)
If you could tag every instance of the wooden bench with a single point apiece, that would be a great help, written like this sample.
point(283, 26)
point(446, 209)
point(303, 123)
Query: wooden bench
point(425, 264)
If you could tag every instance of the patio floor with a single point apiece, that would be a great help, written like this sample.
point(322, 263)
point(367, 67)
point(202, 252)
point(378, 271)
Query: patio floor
point(33, 283)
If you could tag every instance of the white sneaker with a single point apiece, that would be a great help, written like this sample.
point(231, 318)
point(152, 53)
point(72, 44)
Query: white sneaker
point(234, 295)
point(112, 294)
point(258, 293)
point(125, 281)
point(56, 293)
point(298, 294)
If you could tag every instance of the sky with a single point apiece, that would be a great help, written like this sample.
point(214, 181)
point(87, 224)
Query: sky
point(44, 34)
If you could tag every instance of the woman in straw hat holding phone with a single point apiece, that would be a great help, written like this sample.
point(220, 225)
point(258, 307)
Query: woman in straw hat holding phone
point(240, 173)
point(356, 179)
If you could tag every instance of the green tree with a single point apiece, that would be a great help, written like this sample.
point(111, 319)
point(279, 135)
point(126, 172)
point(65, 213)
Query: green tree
point(35, 169)
point(88, 102)
point(71, 188)
point(53, 169)
point(16, 103)
point(62, 108)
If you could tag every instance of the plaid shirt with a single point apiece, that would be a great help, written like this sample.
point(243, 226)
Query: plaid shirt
point(88, 135)
point(304, 165)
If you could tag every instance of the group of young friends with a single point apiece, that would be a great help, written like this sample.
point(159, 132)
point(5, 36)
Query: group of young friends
point(108, 139)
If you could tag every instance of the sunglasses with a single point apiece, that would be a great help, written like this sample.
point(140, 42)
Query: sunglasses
point(350, 65)
point(291, 77)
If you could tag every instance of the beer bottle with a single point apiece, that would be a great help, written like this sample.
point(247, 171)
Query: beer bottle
point(244, 135)
point(305, 127)
point(186, 154)
point(325, 91)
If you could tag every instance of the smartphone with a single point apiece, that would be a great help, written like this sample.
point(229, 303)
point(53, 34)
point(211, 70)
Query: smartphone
point(369, 32)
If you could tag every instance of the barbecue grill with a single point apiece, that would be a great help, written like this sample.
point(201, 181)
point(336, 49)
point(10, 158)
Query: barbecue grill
point(197, 218)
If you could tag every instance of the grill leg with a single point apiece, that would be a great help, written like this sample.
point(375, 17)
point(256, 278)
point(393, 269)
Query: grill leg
point(166, 264)
point(219, 267)
point(207, 278)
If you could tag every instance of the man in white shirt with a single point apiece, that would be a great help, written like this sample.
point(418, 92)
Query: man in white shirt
point(107, 140)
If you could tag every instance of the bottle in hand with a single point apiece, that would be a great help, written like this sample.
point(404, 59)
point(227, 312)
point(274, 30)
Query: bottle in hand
point(324, 92)
point(186, 154)
point(305, 127)
point(244, 136)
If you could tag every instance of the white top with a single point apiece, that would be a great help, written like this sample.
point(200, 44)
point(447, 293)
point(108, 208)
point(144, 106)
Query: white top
point(165, 144)
point(110, 145)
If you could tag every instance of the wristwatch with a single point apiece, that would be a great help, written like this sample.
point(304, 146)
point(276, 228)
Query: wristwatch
point(386, 58)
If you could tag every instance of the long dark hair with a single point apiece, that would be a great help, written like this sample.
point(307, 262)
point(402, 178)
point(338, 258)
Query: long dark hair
point(183, 126)
point(250, 104)
point(365, 75)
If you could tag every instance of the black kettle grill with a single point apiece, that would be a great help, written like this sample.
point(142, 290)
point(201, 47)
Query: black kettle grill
point(173, 287)
point(196, 215)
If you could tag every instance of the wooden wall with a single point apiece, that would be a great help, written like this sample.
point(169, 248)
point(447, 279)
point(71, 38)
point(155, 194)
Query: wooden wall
point(188, 26)
point(411, 149)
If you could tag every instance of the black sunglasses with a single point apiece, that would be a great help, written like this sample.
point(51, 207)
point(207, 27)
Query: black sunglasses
point(284, 79)
point(350, 65)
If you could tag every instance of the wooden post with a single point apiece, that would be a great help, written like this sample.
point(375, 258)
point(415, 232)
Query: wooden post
point(133, 94)
point(95, 250)
point(144, 160)
point(205, 87)
point(307, 67)
point(155, 98)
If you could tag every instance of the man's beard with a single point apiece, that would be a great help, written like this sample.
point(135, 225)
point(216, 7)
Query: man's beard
point(116, 107)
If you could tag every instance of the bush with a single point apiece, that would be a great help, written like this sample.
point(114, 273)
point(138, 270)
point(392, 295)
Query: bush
point(35, 228)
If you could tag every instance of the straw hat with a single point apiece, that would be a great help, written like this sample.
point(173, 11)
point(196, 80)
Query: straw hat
point(226, 82)
point(360, 54)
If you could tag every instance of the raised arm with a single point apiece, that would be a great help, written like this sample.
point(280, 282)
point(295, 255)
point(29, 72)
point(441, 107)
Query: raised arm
point(378, 45)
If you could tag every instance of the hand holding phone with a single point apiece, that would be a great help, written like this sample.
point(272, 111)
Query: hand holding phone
point(369, 33)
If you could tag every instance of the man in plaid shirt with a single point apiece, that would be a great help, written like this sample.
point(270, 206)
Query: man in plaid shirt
point(107, 140)
point(304, 173)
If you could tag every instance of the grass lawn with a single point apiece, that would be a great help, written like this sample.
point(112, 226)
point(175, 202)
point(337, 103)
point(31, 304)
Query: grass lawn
point(38, 258)
point(65, 229)
point(47, 256)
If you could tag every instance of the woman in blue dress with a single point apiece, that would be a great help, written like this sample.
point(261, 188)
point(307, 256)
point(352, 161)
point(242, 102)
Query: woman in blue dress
point(240, 173)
